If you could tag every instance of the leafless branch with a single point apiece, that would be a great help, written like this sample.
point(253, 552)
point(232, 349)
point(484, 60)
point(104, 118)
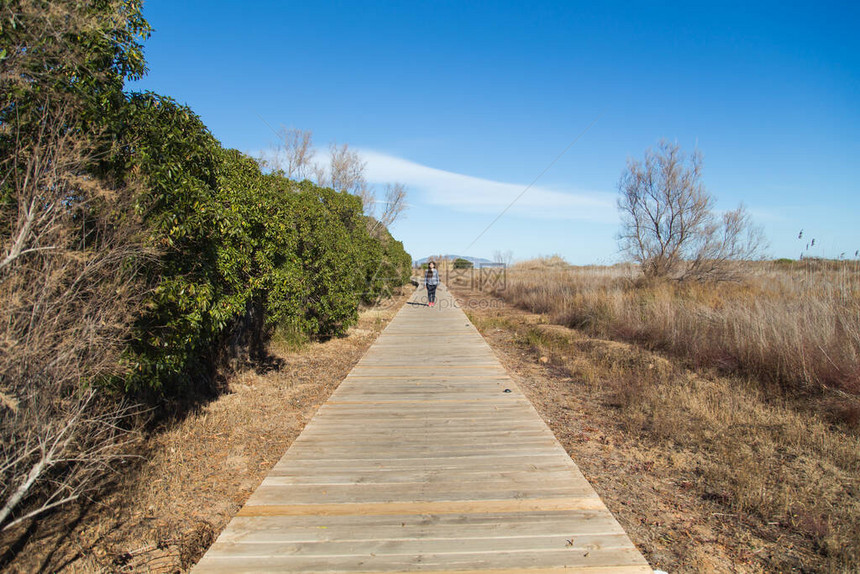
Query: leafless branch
point(668, 225)
point(394, 205)
point(69, 288)
point(293, 153)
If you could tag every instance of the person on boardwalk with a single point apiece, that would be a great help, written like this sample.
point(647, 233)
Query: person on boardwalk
point(431, 281)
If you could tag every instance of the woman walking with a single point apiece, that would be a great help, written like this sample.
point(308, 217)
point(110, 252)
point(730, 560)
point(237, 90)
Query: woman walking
point(431, 281)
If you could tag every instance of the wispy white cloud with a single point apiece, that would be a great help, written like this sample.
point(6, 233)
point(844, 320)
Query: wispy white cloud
point(476, 195)
point(470, 194)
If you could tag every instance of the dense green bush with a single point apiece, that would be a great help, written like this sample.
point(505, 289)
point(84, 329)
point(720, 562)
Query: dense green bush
point(331, 233)
point(172, 160)
point(395, 264)
point(242, 252)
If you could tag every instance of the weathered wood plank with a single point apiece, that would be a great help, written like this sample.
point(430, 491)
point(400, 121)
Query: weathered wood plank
point(620, 560)
point(348, 527)
point(427, 458)
point(473, 506)
point(313, 475)
point(598, 542)
point(417, 493)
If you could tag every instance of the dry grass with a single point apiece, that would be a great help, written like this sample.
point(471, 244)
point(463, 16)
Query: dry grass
point(705, 471)
point(196, 473)
point(760, 414)
point(796, 327)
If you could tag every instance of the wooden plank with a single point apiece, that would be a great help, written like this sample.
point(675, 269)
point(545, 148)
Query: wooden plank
point(267, 494)
point(622, 561)
point(531, 440)
point(422, 507)
point(460, 481)
point(294, 475)
point(420, 462)
point(390, 527)
point(593, 542)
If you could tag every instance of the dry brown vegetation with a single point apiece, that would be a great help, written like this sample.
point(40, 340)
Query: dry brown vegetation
point(69, 285)
point(195, 473)
point(743, 397)
point(793, 325)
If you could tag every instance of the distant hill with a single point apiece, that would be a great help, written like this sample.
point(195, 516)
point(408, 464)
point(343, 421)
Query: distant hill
point(475, 260)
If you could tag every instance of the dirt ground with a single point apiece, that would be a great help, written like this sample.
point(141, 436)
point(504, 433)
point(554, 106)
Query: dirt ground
point(199, 471)
point(653, 489)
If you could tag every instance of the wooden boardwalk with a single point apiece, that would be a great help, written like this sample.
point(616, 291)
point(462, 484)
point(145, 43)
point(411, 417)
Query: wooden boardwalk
point(427, 458)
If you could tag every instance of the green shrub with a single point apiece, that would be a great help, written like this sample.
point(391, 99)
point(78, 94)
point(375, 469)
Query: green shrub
point(173, 160)
point(242, 253)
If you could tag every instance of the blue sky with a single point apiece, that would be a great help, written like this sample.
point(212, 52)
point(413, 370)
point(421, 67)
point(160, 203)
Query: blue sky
point(468, 102)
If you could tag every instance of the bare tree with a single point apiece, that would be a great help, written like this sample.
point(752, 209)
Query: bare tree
point(346, 172)
point(58, 463)
point(394, 204)
point(320, 175)
point(730, 237)
point(293, 153)
point(667, 220)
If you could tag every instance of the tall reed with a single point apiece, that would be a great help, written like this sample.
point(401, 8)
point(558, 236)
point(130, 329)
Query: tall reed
point(795, 327)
